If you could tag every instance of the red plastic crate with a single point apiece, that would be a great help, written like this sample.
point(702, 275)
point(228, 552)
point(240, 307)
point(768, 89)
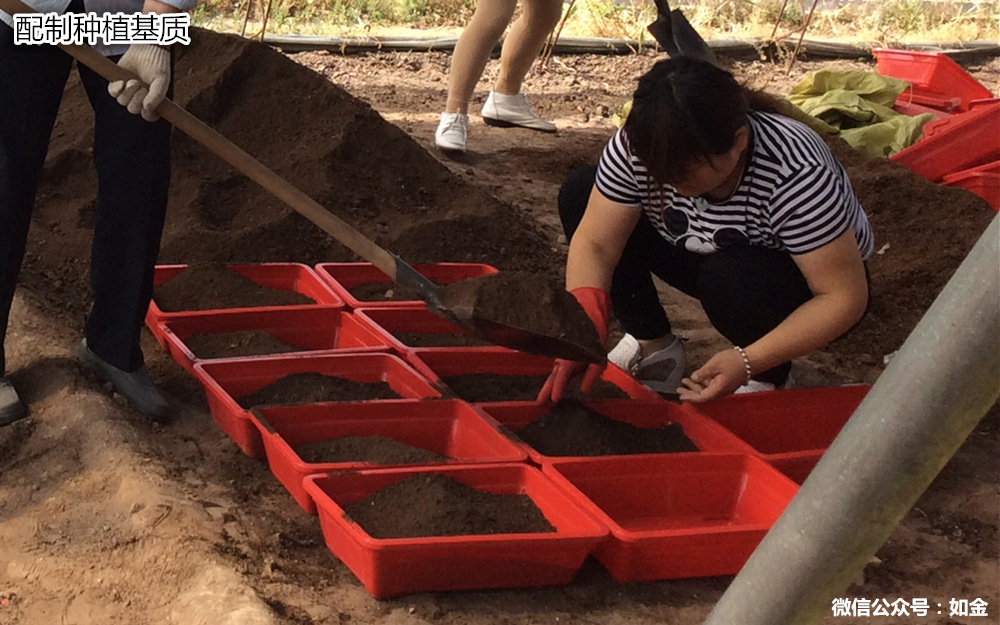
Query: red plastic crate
point(957, 143)
point(796, 467)
point(906, 106)
point(345, 276)
point(787, 421)
point(227, 379)
point(984, 181)
point(676, 516)
point(707, 435)
point(438, 363)
point(398, 566)
point(281, 276)
point(315, 329)
point(935, 80)
point(447, 428)
point(389, 321)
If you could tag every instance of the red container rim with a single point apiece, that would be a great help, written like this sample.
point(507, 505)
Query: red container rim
point(323, 500)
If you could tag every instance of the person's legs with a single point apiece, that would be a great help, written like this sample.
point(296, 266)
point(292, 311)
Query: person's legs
point(133, 167)
point(633, 294)
point(32, 79)
point(524, 42)
point(473, 49)
point(747, 291)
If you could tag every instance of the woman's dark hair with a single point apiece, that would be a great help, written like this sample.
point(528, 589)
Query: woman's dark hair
point(684, 112)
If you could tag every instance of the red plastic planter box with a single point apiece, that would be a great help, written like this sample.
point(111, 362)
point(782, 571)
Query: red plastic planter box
point(984, 181)
point(957, 143)
point(676, 515)
point(225, 380)
point(343, 277)
point(448, 428)
point(280, 276)
point(392, 321)
point(439, 363)
point(787, 421)
point(707, 435)
point(796, 467)
point(397, 566)
point(315, 329)
point(935, 80)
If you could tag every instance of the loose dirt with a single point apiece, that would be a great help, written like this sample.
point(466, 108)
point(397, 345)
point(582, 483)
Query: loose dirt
point(235, 344)
point(105, 518)
point(413, 339)
point(434, 505)
point(312, 388)
point(528, 301)
point(373, 449)
point(383, 292)
point(489, 387)
point(207, 286)
point(573, 429)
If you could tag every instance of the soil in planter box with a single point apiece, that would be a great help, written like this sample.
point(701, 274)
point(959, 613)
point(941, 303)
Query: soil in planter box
point(383, 292)
point(435, 505)
point(487, 387)
point(213, 285)
point(428, 339)
point(312, 388)
point(233, 344)
point(373, 449)
point(572, 429)
point(534, 302)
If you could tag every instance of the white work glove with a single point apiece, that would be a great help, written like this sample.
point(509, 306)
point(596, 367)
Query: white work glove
point(152, 65)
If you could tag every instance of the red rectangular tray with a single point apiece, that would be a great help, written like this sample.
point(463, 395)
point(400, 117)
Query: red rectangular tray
point(704, 433)
point(343, 277)
point(676, 516)
point(796, 467)
point(984, 181)
point(227, 379)
point(389, 321)
point(316, 329)
point(935, 80)
point(281, 276)
point(447, 428)
point(438, 363)
point(398, 566)
point(956, 143)
point(787, 421)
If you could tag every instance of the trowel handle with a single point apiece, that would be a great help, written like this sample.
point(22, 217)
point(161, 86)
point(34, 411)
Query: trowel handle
point(235, 156)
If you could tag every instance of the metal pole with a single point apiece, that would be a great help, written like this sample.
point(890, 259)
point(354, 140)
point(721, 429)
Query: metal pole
point(928, 400)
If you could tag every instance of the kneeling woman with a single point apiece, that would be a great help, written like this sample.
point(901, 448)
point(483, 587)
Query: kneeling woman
point(746, 210)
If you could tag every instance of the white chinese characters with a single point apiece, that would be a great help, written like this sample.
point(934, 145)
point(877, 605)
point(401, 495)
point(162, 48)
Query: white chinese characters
point(112, 28)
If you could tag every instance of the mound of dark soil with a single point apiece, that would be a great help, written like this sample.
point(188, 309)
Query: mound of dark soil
point(373, 449)
point(235, 344)
point(491, 387)
point(207, 286)
point(312, 388)
point(434, 505)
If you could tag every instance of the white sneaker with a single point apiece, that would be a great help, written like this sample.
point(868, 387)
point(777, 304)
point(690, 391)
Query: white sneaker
point(661, 371)
point(506, 111)
point(756, 386)
point(452, 132)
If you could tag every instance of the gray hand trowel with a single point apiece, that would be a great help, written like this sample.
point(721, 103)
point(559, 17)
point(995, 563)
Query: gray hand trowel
point(459, 308)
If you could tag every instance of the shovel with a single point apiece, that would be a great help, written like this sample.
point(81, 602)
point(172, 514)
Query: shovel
point(461, 313)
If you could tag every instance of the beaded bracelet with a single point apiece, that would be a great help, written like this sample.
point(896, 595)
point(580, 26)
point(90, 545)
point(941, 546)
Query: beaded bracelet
point(746, 360)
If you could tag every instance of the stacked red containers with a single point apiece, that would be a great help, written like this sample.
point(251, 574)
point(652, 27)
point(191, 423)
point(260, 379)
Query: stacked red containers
point(961, 148)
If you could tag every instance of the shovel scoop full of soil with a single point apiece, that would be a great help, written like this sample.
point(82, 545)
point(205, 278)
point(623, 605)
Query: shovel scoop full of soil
point(529, 312)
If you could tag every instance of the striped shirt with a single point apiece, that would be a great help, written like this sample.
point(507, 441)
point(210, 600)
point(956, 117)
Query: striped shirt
point(794, 195)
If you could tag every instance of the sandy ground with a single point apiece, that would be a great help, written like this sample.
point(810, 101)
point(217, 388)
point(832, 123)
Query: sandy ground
point(106, 519)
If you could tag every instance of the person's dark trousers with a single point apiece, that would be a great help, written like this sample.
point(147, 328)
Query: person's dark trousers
point(746, 291)
point(132, 157)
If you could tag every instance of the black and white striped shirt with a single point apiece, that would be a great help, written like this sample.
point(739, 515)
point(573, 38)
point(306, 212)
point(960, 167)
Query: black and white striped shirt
point(794, 195)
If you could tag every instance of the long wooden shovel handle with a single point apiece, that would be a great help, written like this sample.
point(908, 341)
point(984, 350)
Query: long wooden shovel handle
point(235, 156)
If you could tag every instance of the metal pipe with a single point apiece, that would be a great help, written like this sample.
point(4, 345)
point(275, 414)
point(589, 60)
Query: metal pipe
point(925, 404)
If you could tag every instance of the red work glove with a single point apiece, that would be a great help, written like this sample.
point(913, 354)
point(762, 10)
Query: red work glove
point(597, 304)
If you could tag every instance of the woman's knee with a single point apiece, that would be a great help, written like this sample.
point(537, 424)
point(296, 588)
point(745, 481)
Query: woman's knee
point(543, 14)
point(574, 195)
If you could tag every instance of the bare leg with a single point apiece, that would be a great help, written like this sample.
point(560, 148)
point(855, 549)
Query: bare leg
point(525, 41)
point(472, 51)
